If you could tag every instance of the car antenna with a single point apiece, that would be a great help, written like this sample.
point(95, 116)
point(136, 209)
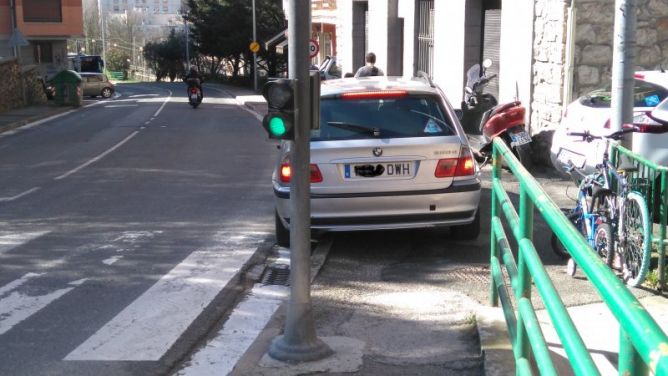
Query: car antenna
point(425, 76)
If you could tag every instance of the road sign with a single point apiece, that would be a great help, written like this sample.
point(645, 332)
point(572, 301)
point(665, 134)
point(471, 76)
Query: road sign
point(254, 47)
point(313, 48)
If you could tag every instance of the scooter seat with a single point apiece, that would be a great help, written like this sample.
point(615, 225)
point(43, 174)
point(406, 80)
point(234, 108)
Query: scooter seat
point(504, 107)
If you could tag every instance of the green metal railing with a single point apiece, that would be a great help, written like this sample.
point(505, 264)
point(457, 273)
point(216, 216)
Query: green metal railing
point(643, 345)
point(116, 76)
point(651, 180)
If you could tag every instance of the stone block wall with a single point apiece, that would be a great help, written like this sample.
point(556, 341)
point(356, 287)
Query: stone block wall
point(594, 41)
point(10, 71)
point(20, 87)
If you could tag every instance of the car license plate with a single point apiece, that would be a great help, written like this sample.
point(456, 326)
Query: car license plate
point(373, 170)
point(520, 138)
point(565, 156)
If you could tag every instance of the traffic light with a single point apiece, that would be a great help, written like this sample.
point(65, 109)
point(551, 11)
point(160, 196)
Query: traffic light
point(280, 119)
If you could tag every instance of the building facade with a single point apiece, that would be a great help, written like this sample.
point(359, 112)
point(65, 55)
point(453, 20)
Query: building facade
point(40, 33)
point(545, 52)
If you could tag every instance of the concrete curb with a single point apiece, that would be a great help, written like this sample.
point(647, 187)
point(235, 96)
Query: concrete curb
point(495, 346)
point(58, 111)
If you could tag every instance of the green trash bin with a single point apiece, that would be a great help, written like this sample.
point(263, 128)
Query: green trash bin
point(68, 88)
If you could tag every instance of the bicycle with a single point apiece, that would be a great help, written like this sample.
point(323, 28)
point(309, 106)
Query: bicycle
point(587, 217)
point(625, 211)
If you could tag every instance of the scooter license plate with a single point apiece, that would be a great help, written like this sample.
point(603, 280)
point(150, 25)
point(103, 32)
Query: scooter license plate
point(520, 138)
point(193, 97)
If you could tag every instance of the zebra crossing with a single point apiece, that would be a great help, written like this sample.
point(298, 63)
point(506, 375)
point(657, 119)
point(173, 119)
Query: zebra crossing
point(151, 324)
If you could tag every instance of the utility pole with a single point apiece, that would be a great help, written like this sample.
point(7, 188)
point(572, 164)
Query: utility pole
point(254, 53)
point(102, 32)
point(623, 59)
point(185, 23)
point(299, 341)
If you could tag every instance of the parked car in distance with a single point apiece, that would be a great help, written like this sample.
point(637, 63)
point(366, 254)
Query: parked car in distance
point(95, 84)
point(592, 112)
point(390, 154)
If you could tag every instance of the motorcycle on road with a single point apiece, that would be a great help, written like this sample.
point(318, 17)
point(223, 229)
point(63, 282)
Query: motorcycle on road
point(484, 119)
point(194, 93)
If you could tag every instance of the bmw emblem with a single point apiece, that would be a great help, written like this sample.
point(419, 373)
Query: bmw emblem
point(377, 152)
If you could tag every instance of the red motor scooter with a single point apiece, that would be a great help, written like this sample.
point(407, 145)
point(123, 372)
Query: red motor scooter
point(484, 119)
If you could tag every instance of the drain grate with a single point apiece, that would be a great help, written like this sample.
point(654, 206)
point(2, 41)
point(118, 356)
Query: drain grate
point(473, 274)
point(276, 274)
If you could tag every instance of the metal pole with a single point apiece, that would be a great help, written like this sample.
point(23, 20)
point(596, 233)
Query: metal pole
point(102, 32)
point(299, 341)
point(185, 22)
point(12, 17)
point(623, 58)
point(255, 53)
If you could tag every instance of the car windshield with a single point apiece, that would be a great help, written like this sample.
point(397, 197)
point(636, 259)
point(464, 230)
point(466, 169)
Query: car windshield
point(645, 94)
point(412, 116)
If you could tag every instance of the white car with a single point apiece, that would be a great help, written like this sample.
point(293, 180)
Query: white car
point(592, 112)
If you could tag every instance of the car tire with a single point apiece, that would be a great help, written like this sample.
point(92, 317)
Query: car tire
point(282, 232)
point(106, 93)
point(469, 231)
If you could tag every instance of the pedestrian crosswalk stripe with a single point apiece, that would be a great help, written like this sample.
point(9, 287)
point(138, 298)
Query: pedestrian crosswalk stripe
point(150, 325)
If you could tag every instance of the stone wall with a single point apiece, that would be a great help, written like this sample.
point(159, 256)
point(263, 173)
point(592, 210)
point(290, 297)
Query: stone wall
point(594, 41)
point(20, 87)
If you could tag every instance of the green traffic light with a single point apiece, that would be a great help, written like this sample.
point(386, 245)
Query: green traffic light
point(277, 126)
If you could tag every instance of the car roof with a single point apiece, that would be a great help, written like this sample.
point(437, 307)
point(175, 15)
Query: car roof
point(656, 77)
point(344, 85)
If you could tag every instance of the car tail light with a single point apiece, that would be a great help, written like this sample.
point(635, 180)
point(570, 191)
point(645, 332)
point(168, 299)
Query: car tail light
point(452, 167)
point(644, 123)
point(375, 94)
point(285, 173)
point(639, 76)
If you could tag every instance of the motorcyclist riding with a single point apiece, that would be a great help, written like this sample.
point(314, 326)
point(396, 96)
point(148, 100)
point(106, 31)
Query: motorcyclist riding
point(193, 78)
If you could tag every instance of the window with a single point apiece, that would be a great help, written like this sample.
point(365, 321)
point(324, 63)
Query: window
point(42, 11)
point(42, 52)
point(392, 118)
point(645, 94)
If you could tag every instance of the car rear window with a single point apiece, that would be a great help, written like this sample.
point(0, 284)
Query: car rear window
point(645, 94)
point(410, 116)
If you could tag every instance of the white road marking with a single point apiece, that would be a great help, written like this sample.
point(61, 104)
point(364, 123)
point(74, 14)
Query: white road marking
point(18, 196)
point(163, 105)
point(18, 282)
point(143, 95)
point(246, 322)
point(121, 105)
point(18, 306)
point(111, 260)
point(110, 150)
point(151, 324)
point(35, 123)
point(11, 240)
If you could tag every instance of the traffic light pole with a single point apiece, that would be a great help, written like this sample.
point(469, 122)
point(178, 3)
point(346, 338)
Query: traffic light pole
point(299, 341)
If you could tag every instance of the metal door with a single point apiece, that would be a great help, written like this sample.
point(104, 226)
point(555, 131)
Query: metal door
point(491, 47)
point(425, 37)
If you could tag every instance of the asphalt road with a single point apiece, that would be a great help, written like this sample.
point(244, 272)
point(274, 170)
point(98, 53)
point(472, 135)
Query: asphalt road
point(116, 220)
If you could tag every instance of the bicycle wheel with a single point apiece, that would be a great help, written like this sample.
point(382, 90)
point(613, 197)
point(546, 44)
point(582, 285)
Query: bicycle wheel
point(559, 248)
point(603, 242)
point(635, 233)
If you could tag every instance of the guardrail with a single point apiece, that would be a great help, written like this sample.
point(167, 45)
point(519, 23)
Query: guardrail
point(643, 345)
point(117, 76)
point(651, 180)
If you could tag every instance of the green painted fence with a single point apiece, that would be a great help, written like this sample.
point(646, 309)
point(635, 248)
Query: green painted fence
point(643, 345)
point(651, 180)
point(116, 76)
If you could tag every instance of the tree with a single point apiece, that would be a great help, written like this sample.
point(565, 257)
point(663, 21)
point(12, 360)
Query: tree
point(166, 58)
point(91, 24)
point(223, 29)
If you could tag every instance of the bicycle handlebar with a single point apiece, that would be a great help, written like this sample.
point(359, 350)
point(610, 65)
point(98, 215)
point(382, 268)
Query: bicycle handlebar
point(587, 136)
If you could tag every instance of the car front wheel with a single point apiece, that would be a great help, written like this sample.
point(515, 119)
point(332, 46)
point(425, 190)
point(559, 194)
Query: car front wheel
point(106, 92)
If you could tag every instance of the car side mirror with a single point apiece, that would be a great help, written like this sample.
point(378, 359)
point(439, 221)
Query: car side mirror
point(460, 114)
point(660, 112)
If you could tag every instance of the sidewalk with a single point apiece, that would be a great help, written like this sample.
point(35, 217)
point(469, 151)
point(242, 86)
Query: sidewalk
point(21, 116)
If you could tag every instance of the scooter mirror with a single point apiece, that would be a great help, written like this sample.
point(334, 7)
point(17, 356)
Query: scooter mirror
point(660, 112)
point(487, 63)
